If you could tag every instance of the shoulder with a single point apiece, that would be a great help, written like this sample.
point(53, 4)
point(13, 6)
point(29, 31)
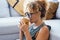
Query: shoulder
point(44, 30)
point(43, 33)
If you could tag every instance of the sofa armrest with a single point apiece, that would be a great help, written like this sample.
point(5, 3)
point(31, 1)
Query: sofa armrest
point(9, 25)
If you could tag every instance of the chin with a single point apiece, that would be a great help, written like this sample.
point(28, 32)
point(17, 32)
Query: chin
point(32, 21)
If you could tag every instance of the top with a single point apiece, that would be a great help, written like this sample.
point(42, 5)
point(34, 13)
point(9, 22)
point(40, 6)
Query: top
point(33, 31)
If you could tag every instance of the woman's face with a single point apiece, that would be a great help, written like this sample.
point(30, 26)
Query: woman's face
point(33, 16)
point(33, 12)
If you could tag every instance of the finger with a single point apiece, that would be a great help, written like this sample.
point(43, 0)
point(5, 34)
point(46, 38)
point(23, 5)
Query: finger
point(21, 23)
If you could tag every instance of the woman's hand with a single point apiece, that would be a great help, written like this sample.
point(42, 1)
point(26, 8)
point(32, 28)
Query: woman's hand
point(23, 26)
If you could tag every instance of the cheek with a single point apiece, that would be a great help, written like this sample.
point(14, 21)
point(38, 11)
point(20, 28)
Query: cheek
point(34, 17)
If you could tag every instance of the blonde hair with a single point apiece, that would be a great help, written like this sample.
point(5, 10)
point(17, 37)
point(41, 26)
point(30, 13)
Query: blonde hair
point(36, 6)
point(25, 4)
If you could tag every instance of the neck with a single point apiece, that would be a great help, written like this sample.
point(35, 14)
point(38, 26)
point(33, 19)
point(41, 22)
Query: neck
point(39, 22)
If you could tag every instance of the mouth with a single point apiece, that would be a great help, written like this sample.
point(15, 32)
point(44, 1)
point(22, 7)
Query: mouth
point(30, 19)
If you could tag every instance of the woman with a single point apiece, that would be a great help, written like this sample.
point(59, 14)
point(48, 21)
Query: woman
point(39, 31)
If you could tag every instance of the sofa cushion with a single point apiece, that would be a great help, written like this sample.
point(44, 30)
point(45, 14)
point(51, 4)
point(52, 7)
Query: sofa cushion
point(9, 25)
point(17, 5)
point(55, 29)
point(9, 37)
point(50, 13)
point(4, 10)
point(14, 13)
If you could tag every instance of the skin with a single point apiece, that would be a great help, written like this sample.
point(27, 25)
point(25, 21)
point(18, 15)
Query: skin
point(42, 0)
point(43, 33)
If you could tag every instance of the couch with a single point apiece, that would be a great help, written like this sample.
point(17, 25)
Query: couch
point(9, 20)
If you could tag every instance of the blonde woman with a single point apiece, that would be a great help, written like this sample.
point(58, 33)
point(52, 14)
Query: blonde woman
point(39, 31)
